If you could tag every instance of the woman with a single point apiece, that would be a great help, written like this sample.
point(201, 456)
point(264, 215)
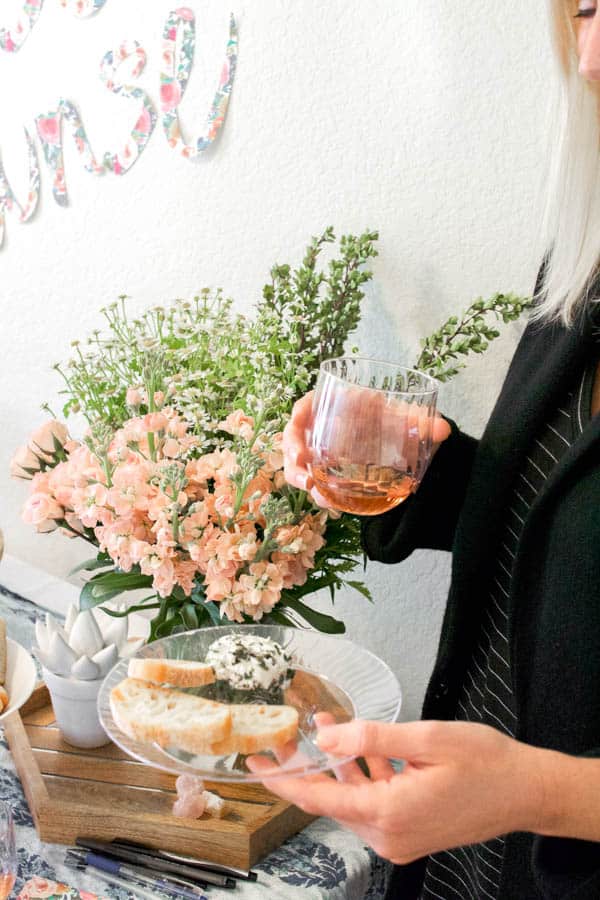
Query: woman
point(500, 793)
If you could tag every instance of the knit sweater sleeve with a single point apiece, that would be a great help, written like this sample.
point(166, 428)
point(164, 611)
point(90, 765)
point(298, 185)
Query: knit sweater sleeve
point(428, 518)
point(567, 868)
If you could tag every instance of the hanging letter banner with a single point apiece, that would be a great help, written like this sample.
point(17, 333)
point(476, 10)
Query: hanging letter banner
point(52, 127)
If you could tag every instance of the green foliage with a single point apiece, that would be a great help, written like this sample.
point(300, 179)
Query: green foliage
point(209, 360)
point(471, 333)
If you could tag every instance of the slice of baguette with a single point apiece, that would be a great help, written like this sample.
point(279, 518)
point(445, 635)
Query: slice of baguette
point(256, 728)
point(170, 718)
point(179, 672)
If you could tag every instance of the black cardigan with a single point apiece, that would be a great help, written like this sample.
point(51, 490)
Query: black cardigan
point(554, 622)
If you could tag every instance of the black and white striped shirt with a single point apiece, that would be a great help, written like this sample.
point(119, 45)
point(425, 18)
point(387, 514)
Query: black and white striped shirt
point(473, 872)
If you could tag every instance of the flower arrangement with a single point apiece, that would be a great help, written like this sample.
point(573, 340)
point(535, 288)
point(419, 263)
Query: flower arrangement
point(178, 481)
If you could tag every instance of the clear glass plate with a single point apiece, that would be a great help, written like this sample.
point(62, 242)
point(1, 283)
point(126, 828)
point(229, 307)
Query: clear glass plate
point(331, 675)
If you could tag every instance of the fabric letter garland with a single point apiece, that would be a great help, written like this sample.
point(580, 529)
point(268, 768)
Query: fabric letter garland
point(175, 74)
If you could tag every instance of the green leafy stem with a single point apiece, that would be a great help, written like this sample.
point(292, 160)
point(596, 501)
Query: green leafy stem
point(469, 333)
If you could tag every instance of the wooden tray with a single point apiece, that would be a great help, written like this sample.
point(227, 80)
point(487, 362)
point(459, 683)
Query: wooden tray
point(104, 794)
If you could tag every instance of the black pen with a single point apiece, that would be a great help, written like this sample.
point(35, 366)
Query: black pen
point(158, 864)
point(244, 874)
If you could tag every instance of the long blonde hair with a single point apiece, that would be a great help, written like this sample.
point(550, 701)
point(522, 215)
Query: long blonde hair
point(572, 217)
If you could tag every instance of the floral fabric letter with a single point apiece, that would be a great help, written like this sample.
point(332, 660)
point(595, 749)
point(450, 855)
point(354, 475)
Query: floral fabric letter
point(49, 129)
point(8, 201)
point(175, 75)
point(144, 126)
point(13, 40)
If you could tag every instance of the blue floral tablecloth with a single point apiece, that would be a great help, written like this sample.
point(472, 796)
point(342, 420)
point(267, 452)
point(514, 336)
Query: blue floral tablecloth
point(323, 861)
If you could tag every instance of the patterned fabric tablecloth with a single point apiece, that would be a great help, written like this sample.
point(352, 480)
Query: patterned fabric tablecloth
point(323, 861)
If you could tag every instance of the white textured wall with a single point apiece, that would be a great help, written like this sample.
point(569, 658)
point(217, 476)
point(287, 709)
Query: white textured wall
point(424, 119)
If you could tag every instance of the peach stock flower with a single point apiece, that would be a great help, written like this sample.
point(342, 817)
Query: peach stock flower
point(175, 513)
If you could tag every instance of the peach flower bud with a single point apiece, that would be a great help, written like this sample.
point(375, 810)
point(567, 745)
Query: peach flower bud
point(133, 397)
point(22, 460)
point(40, 507)
point(44, 437)
point(155, 421)
point(159, 398)
point(171, 448)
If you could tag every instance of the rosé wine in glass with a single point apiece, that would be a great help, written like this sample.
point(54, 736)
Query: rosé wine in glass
point(371, 439)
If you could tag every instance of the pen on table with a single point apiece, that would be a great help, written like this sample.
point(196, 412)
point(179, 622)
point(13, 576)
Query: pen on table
point(118, 882)
point(202, 864)
point(244, 874)
point(114, 867)
point(164, 866)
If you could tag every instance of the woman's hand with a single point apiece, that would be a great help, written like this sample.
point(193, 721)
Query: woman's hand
point(296, 441)
point(462, 783)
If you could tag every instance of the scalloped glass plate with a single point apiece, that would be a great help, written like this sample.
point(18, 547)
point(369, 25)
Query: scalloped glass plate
point(331, 675)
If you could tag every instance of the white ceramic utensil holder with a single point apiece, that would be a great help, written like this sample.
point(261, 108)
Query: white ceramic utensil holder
point(75, 708)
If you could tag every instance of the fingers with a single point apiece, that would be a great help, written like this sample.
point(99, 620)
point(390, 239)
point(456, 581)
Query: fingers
point(267, 769)
point(380, 768)
point(296, 455)
point(413, 741)
point(320, 795)
point(348, 773)
point(441, 430)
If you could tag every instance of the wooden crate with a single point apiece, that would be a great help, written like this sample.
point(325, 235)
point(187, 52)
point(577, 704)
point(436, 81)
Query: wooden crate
point(106, 795)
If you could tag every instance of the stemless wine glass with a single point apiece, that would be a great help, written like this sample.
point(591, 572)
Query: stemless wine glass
point(372, 433)
point(8, 852)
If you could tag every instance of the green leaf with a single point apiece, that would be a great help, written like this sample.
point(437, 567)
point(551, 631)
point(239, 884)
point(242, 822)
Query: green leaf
point(108, 585)
point(320, 621)
point(140, 607)
point(213, 611)
point(279, 618)
point(90, 564)
point(123, 581)
point(189, 616)
point(361, 588)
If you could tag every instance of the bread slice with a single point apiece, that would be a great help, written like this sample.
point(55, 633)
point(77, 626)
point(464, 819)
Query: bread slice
point(179, 672)
point(169, 718)
point(255, 728)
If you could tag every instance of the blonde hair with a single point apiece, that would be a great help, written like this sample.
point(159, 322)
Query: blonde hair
point(572, 216)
